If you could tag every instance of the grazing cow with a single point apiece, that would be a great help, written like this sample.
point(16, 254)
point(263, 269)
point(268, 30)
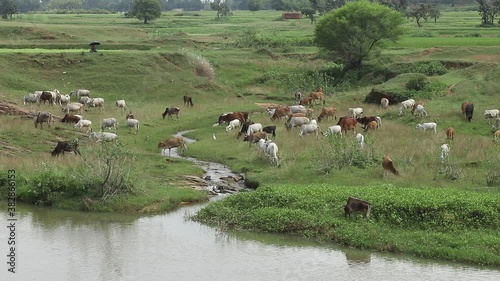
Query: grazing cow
point(73, 107)
point(66, 146)
point(254, 128)
point(389, 166)
point(43, 117)
point(355, 112)
point(414, 107)
point(360, 139)
point(365, 120)
point(272, 151)
point(295, 115)
point(170, 111)
point(296, 122)
point(244, 128)
point(469, 111)
point(103, 136)
point(95, 102)
point(84, 124)
point(306, 101)
point(121, 104)
point(491, 113)
point(496, 126)
point(318, 95)
point(30, 98)
point(450, 133)
point(133, 123)
point(384, 102)
point(445, 152)
point(327, 112)
point(372, 125)
point(172, 143)
point(109, 123)
point(71, 118)
point(427, 126)
point(355, 205)
point(420, 109)
point(255, 137)
point(80, 93)
point(405, 105)
point(233, 124)
point(347, 123)
point(64, 99)
point(228, 117)
point(188, 101)
point(301, 109)
point(270, 130)
point(83, 99)
point(298, 96)
point(334, 130)
point(46, 96)
point(464, 106)
point(130, 115)
point(270, 111)
point(496, 136)
point(310, 128)
point(281, 111)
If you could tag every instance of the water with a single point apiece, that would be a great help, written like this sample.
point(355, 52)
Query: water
point(63, 245)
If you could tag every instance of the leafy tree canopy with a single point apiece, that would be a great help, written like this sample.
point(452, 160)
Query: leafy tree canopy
point(146, 10)
point(7, 8)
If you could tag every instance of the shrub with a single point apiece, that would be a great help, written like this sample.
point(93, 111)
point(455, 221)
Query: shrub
point(418, 83)
point(202, 66)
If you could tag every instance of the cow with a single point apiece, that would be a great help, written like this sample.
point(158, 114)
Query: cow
point(66, 146)
point(296, 122)
point(355, 205)
point(233, 124)
point(298, 96)
point(496, 126)
point(270, 130)
point(64, 99)
point(272, 151)
point(84, 124)
point(254, 138)
point(43, 117)
point(365, 120)
point(384, 102)
point(46, 96)
point(188, 101)
point(301, 109)
point(230, 116)
point(130, 115)
point(334, 130)
point(450, 133)
point(360, 139)
point(469, 111)
point(355, 112)
point(109, 123)
point(254, 128)
point(427, 126)
point(103, 136)
point(327, 112)
point(133, 123)
point(121, 104)
point(80, 93)
point(95, 102)
point(372, 125)
point(318, 95)
point(172, 143)
point(30, 98)
point(310, 128)
point(464, 106)
point(415, 105)
point(73, 107)
point(347, 123)
point(496, 136)
point(445, 152)
point(420, 110)
point(388, 166)
point(306, 101)
point(491, 113)
point(281, 111)
point(244, 128)
point(170, 111)
point(71, 118)
point(405, 105)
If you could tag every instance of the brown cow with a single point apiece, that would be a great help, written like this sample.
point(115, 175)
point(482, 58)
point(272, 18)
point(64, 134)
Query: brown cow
point(496, 136)
point(464, 106)
point(355, 205)
point(450, 133)
point(46, 96)
point(66, 146)
point(188, 101)
point(327, 112)
point(372, 125)
point(230, 116)
point(306, 101)
point(318, 96)
point(389, 166)
point(347, 123)
point(130, 115)
point(70, 118)
point(366, 120)
point(172, 143)
point(255, 137)
point(281, 111)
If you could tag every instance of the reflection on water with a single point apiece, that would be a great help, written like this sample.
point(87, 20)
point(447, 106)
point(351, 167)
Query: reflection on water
point(60, 245)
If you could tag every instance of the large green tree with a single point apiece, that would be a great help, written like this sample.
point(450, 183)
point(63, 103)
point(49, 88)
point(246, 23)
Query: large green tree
point(146, 10)
point(351, 33)
point(7, 8)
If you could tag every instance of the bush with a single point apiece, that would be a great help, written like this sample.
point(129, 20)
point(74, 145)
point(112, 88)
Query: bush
point(201, 65)
point(418, 83)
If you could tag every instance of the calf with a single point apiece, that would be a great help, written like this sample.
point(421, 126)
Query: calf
point(270, 130)
point(355, 205)
point(420, 110)
point(170, 111)
point(244, 128)
point(496, 126)
point(66, 146)
point(427, 126)
point(372, 125)
point(272, 151)
point(334, 130)
point(450, 133)
point(255, 137)
point(130, 115)
point(365, 120)
point(172, 143)
point(95, 102)
point(301, 109)
point(298, 97)
point(233, 124)
point(389, 166)
point(30, 98)
point(188, 101)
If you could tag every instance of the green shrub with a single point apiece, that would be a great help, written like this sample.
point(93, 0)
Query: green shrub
point(418, 83)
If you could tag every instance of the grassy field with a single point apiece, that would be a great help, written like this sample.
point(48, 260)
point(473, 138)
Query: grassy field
point(257, 59)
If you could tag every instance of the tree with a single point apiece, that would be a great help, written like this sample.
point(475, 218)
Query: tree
point(7, 8)
point(254, 5)
point(434, 13)
point(420, 11)
point(146, 10)
point(488, 11)
point(352, 32)
point(222, 8)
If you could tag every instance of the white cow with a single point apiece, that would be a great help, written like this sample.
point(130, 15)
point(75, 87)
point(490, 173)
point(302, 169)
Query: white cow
point(272, 151)
point(80, 93)
point(83, 99)
point(96, 102)
point(254, 128)
point(491, 113)
point(427, 126)
point(30, 98)
point(420, 110)
point(379, 120)
point(103, 136)
point(334, 130)
point(121, 104)
point(384, 102)
point(73, 106)
point(233, 124)
point(405, 105)
point(312, 127)
point(301, 109)
point(109, 123)
point(133, 123)
point(360, 139)
point(84, 124)
point(64, 99)
point(355, 112)
point(296, 122)
point(445, 152)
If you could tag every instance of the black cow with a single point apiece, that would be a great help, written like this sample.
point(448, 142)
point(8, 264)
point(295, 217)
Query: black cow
point(66, 146)
point(188, 101)
point(171, 111)
point(244, 128)
point(270, 130)
point(469, 110)
point(357, 205)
